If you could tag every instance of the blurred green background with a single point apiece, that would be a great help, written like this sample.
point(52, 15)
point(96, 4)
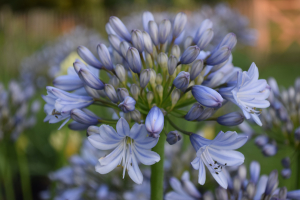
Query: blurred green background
point(27, 25)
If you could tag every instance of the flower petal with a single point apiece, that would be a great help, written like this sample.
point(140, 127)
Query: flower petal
point(138, 132)
point(134, 171)
point(99, 143)
point(146, 157)
point(202, 173)
point(221, 179)
point(113, 155)
point(230, 157)
point(147, 143)
point(123, 127)
point(104, 169)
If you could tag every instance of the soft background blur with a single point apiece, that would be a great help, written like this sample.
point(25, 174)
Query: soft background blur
point(27, 26)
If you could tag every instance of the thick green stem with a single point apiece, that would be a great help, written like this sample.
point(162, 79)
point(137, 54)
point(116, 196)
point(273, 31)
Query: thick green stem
point(157, 170)
point(298, 167)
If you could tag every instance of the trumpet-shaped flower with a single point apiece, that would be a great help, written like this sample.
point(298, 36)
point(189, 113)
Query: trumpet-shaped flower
point(216, 154)
point(130, 146)
point(248, 93)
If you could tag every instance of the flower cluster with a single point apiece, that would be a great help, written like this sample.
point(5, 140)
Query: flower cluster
point(239, 186)
point(147, 78)
point(16, 113)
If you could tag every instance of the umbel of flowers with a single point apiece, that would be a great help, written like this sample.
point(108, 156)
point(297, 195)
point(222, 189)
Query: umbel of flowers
point(154, 74)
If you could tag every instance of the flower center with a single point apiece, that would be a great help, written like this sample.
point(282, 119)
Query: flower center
point(212, 165)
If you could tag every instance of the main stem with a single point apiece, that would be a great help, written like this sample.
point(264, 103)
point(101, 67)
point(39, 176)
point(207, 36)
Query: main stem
point(157, 170)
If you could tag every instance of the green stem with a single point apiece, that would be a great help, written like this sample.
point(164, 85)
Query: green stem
point(157, 170)
point(177, 128)
point(298, 167)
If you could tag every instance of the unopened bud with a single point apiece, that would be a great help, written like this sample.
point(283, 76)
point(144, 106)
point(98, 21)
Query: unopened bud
point(84, 116)
point(250, 190)
point(147, 16)
point(134, 60)
point(282, 194)
point(272, 182)
point(137, 40)
point(164, 30)
point(158, 79)
point(205, 38)
point(182, 80)
point(147, 42)
point(229, 40)
point(196, 69)
point(261, 140)
point(274, 87)
point(121, 72)
point(152, 77)
point(221, 193)
point(205, 25)
point(145, 77)
point(173, 137)
point(150, 97)
point(114, 81)
point(237, 184)
point(207, 113)
point(269, 150)
point(160, 91)
point(179, 24)
point(123, 48)
point(254, 171)
point(188, 42)
point(207, 96)
point(92, 130)
point(175, 51)
point(127, 105)
point(172, 64)
point(111, 93)
point(120, 28)
point(115, 42)
point(286, 173)
point(189, 55)
point(153, 32)
point(297, 134)
point(122, 93)
point(162, 60)
point(231, 119)
point(136, 116)
point(154, 122)
point(135, 91)
point(104, 56)
point(194, 112)
point(286, 162)
point(219, 55)
point(88, 57)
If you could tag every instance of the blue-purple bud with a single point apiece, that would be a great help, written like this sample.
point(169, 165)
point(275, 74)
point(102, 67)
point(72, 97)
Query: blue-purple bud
point(229, 40)
point(195, 112)
point(88, 57)
point(84, 116)
point(122, 93)
point(219, 55)
point(231, 119)
point(123, 48)
point(136, 116)
point(196, 69)
point(286, 173)
point(175, 51)
point(286, 162)
point(297, 134)
point(172, 64)
point(137, 40)
point(179, 24)
point(111, 93)
point(120, 28)
point(153, 32)
point(92, 130)
point(189, 55)
point(274, 87)
point(147, 16)
point(254, 171)
point(78, 126)
point(173, 137)
point(68, 82)
point(87, 76)
point(162, 60)
point(207, 113)
point(120, 72)
point(134, 60)
point(145, 77)
point(207, 96)
point(182, 80)
point(272, 182)
point(104, 56)
point(261, 140)
point(164, 30)
point(115, 42)
point(269, 150)
point(135, 91)
point(205, 38)
point(206, 24)
point(154, 122)
point(127, 105)
point(147, 42)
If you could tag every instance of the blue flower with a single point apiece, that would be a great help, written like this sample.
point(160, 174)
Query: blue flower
point(154, 122)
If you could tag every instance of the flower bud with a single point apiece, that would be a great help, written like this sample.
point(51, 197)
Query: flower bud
point(254, 171)
point(175, 51)
point(135, 91)
point(231, 119)
point(111, 93)
point(147, 16)
point(250, 190)
point(84, 116)
point(122, 93)
point(286, 162)
point(150, 97)
point(154, 122)
point(272, 182)
point(221, 193)
point(162, 60)
point(194, 112)
point(68, 82)
point(269, 150)
point(196, 69)
point(87, 77)
point(136, 116)
point(76, 126)
point(121, 73)
point(92, 130)
point(158, 79)
point(127, 105)
point(205, 38)
point(137, 40)
point(172, 64)
point(229, 40)
point(88, 57)
point(261, 140)
point(152, 77)
point(286, 173)
point(114, 81)
point(114, 42)
point(207, 113)
point(189, 55)
point(145, 77)
point(134, 60)
point(182, 80)
point(274, 87)
point(147, 42)
point(173, 137)
point(219, 55)
point(188, 42)
point(160, 90)
point(297, 134)
point(153, 32)
point(207, 96)
point(164, 30)
point(109, 29)
point(104, 56)
point(205, 25)
point(237, 184)
point(120, 28)
point(175, 96)
point(179, 24)
point(208, 196)
point(123, 48)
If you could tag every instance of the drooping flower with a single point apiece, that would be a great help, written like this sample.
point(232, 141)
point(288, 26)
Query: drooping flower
point(216, 154)
point(130, 146)
point(248, 93)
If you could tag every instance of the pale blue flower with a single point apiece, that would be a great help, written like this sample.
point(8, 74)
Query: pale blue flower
point(216, 154)
point(130, 147)
point(207, 97)
point(248, 93)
